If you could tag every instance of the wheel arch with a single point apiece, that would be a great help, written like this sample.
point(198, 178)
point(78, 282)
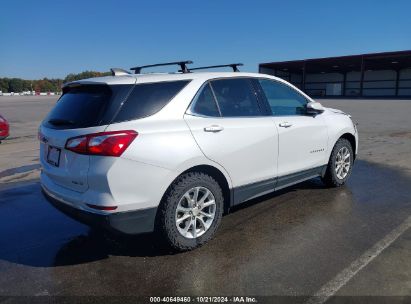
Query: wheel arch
point(219, 177)
point(351, 138)
point(346, 134)
point(214, 172)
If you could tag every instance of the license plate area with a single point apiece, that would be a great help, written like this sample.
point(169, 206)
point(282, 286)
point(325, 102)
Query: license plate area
point(53, 156)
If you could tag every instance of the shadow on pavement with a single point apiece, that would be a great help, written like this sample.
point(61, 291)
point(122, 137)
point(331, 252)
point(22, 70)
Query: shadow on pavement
point(286, 224)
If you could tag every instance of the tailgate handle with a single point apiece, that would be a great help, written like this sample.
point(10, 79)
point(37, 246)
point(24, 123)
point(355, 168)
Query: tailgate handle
point(213, 128)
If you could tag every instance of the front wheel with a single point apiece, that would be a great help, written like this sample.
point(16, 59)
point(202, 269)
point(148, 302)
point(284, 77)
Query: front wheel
point(191, 211)
point(340, 164)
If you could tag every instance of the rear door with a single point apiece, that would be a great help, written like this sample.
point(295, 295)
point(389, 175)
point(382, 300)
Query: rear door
point(302, 137)
point(229, 125)
point(82, 109)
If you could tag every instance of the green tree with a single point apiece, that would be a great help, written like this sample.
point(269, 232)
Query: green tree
point(4, 85)
point(16, 85)
point(27, 85)
point(84, 75)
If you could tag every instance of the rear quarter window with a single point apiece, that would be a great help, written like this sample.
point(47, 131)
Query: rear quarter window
point(148, 98)
point(205, 104)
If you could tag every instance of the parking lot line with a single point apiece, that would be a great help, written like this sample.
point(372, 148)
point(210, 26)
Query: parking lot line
point(331, 288)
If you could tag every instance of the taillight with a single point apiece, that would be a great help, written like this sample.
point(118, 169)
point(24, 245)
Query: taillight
point(104, 143)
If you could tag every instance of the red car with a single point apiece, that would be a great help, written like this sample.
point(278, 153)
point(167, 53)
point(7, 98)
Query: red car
point(4, 128)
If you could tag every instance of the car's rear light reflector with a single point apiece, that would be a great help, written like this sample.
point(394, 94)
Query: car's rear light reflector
point(105, 208)
point(112, 143)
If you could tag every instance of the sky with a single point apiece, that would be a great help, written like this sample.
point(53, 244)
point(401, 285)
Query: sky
point(53, 38)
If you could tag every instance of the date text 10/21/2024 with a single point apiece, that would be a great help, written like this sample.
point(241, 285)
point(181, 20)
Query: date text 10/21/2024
point(236, 299)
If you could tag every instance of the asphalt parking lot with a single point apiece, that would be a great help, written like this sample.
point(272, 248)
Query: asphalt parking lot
point(303, 241)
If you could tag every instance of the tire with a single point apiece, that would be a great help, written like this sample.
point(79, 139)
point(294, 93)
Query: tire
point(332, 178)
point(172, 224)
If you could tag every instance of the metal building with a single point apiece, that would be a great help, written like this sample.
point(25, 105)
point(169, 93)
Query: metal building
point(367, 75)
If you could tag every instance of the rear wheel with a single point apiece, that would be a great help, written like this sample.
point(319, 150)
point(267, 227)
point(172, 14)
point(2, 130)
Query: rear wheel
point(340, 164)
point(191, 211)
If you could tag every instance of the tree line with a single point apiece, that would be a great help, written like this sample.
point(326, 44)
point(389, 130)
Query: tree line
point(18, 85)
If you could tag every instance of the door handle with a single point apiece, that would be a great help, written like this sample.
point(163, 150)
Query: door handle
point(213, 128)
point(285, 124)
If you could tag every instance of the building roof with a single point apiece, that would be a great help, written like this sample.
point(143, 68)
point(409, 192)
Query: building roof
point(371, 61)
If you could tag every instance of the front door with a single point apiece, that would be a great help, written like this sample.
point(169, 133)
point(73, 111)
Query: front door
point(302, 138)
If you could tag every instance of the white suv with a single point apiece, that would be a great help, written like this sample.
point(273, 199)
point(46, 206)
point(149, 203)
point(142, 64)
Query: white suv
point(171, 152)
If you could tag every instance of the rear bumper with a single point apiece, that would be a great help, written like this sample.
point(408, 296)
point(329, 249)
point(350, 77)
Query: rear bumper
point(130, 222)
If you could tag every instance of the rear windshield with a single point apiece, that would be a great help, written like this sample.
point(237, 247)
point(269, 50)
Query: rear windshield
point(80, 107)
point(149, 98)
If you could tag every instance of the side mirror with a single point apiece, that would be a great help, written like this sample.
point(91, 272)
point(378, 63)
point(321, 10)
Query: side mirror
point(314, 108)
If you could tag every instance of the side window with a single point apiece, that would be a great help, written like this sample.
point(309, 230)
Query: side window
point(283, 99)
point(148, 98)
point(205, 104)
point(235, 97)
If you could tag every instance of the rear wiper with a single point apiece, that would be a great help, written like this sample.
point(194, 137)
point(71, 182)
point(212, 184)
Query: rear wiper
point(58, 121)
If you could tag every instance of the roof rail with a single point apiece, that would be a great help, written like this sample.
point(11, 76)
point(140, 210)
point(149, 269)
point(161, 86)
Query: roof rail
point(182, 64)
point(234, 66)
point(119, 72)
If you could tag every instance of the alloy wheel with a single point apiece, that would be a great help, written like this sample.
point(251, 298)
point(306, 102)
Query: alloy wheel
point(343, 163)
point(195, 212)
